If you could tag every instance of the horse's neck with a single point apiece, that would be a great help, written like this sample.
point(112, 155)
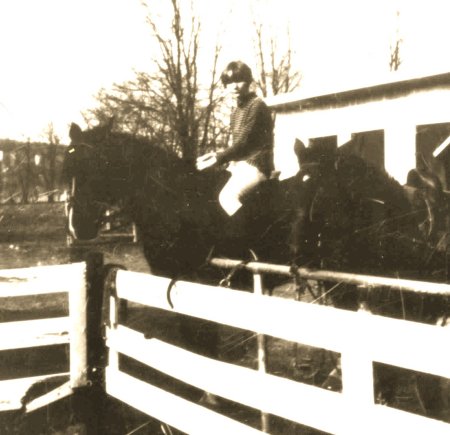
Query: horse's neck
point(174, 191)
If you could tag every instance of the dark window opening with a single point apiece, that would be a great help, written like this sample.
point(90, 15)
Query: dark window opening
point(369, 145)
point(327, 144)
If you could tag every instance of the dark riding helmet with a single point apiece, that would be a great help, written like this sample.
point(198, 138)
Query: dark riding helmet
point(236, 72)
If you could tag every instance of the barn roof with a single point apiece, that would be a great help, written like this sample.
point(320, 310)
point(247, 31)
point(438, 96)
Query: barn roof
point(395, 86)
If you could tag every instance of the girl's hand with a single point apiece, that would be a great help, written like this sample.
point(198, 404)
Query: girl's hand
point(206, 161)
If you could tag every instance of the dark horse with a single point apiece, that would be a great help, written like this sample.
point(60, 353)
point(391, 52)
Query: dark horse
point(175, 208)
point(351, 216)
point(337, 213)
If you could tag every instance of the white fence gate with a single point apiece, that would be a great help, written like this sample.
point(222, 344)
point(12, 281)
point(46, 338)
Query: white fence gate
point(68, 279)
point(360, 338)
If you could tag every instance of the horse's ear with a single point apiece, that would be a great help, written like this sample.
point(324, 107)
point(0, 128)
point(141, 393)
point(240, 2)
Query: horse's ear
point(299, 148)
point(75, 132)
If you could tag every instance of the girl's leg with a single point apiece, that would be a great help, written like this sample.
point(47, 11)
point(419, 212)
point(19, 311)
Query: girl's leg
point(243, 178)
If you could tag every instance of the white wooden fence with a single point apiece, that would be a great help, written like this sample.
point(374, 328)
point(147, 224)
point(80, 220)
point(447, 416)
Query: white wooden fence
point(360, 338)
point(69, 279)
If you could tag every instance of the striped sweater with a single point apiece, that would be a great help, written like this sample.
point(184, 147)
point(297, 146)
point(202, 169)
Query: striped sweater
point(252, 135)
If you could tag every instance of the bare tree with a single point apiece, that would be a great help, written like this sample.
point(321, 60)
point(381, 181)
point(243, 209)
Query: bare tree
point(170, 104)
point(25, 172)
point(49, 162)
point(276, 73)
point(395, 59)
point(131, 105)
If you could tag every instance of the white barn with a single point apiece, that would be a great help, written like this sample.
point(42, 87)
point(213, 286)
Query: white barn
point(398, 124)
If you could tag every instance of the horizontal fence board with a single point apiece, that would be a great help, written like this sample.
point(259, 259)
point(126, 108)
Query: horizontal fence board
point(13, 390)
point(411, 345)
point(31, 333)
point(300, 403)
point(175, 411)
point(404, 343)
point(269, 393)
point(50, 397)
point(41, 280)
point(386, 420)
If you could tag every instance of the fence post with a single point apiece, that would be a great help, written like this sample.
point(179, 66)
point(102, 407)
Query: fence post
point(78, 337)
point(134, 232)
point(357, 370)
point(261, 343)
point(116, 309)
point(357, 378)
point(87, 350)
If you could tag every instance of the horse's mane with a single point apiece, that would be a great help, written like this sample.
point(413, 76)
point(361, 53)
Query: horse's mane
point(150, 152)
point(143, 147)
point(146, 162)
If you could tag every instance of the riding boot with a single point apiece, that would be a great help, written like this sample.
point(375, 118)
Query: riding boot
point(235, 234)
point(237, 224)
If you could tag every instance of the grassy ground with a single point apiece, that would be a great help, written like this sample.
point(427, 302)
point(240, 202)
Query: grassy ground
point(33, 235)
point(31, 222)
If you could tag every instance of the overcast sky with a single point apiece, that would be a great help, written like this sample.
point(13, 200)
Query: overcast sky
point(56, 54)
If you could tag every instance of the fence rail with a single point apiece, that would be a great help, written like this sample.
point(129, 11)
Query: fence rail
point(12, 391)
point(164, 406)
point(34, 281)
point(34, 333)
point(69, 279)
point(360, 338)
point(423, 287)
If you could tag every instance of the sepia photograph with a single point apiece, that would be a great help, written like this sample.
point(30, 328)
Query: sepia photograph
point(224, 217)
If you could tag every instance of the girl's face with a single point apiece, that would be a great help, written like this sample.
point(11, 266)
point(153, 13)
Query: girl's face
point(240, 89)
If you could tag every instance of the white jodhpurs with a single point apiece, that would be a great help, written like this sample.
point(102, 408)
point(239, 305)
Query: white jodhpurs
point(243, 178)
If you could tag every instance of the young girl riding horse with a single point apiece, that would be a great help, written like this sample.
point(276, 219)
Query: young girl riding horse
point(250, 157)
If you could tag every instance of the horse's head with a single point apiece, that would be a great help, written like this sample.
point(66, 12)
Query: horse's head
point(83, 170)
point(316, 160)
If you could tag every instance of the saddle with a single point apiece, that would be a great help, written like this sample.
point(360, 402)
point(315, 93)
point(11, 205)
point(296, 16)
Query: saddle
point(256, 213)
point(261, 195)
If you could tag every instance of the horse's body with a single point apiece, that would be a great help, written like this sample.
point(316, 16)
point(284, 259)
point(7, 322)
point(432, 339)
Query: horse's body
point(352, 216)
point(353, 212)
point(174, 207)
